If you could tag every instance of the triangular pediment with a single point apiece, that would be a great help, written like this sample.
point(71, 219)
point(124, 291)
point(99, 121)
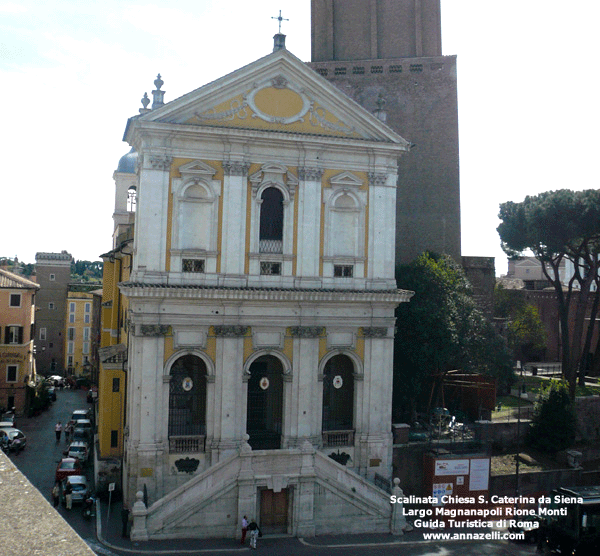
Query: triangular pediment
point(346, 179)
point(278, 93)
point(197, 168)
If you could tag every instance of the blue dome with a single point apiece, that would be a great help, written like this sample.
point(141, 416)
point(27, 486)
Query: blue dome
point(128, 162)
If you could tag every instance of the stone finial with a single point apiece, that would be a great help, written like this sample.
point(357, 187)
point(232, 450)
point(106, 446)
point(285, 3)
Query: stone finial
point(157, 94)
point(145, 103)
point(278, 42)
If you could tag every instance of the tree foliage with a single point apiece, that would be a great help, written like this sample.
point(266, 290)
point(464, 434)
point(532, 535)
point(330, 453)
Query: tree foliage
point(554, 423)
point(441, 329)
point(561, 226)
point(525, 331)
point(86, 271)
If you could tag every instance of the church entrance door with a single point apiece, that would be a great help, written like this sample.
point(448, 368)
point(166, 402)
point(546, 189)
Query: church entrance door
point(265, 404)
point(274, 511)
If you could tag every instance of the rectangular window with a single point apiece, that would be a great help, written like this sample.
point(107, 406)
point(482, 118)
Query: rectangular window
point(70, 361)
point(51, 305)
point(70, 347)
point(11, 373)
point(72, 318)
point(193, 265)
point(116, 384)
point(42, 333)
point(70, 334)
point(86, 347)
point(71, 307)
point(88, 307)
point(114, 439)
point(13, 335)
point(86, 319)
point(52, 277)
point(86, 334)
point(15, 300)
point(343, 271)
point(270, 269)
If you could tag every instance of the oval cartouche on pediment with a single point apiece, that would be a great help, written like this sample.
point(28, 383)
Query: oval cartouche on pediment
point(279, 101)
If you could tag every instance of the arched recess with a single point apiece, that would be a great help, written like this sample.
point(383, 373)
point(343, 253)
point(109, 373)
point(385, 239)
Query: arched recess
point(338, 394)
point(264, 408)
point(195, 207)
point(187, 413)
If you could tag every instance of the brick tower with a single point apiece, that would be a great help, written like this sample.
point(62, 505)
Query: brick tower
point(387, 56)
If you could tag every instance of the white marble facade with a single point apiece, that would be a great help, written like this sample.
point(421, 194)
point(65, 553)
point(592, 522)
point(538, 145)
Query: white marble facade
point(318, 323)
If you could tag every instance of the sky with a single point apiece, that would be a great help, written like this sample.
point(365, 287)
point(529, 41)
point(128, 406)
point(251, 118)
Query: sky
point(72, 72)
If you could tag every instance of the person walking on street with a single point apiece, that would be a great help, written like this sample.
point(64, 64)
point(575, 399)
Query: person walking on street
point(68, 495)
point(58, 430)
point(55, 493)
point(68, 431)
point(244, 529)
point(254, 533)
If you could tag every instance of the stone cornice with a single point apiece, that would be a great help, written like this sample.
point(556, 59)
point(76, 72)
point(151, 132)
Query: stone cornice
point(162, 291)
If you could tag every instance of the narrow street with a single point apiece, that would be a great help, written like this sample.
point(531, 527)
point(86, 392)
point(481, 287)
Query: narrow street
point(41, 456)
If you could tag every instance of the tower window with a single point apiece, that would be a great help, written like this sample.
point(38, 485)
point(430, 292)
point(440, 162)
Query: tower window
point(131, 198)
point(15, 299)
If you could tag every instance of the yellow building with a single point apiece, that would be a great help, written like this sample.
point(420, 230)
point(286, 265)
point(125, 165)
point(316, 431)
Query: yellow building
point(113, 334)
point(17, 314)
point(78, 333)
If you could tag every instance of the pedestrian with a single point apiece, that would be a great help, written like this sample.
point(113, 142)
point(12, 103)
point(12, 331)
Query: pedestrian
point(244, 529)
point(124, 521)
point(68, 431)
point(55, 493)
point(254, 533)
point(68, 495)
point(58, 430)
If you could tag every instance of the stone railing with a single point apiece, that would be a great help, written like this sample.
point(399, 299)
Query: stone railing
point(187, 444)
point(332, 439)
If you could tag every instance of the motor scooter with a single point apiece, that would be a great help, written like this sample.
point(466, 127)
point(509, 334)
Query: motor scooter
point(88, 509)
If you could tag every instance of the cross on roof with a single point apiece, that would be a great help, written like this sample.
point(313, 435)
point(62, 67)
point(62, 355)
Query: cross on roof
point(280, 19)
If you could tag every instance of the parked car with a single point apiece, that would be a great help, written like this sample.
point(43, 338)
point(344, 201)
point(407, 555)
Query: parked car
point(529, 527)
point(80, 488)
point(83, 430)
point(68, 467)
point(79, 450)
point(79, 414)
point(8, 420)
point(14, 439)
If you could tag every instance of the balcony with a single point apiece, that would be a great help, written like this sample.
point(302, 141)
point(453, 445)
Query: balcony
point(187, 444)
point(274, 246)
point(334, 439)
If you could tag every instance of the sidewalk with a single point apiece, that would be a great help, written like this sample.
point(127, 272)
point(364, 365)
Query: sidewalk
point(109, 535)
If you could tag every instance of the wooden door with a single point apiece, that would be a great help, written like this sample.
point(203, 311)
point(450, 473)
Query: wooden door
point(274, 511)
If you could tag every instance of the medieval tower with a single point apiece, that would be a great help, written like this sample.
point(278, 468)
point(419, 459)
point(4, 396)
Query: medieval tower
point(387, 56)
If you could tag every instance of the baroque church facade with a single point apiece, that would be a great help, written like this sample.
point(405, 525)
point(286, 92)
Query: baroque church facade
point(257, 306)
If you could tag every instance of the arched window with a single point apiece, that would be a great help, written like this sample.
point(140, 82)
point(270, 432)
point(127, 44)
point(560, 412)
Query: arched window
point(131, 199)
point(271, 221)
point(187, 397)
point(338, 394)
